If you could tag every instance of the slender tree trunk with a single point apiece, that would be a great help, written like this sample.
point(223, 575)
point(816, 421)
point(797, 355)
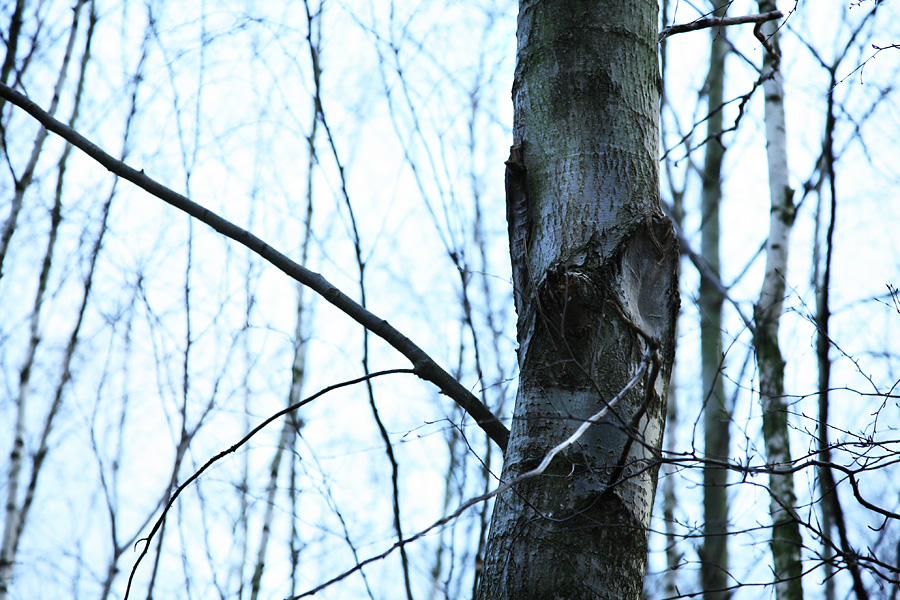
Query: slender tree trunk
point(292, 422)
point(12, 45)
point(596, 290)
point(15, 508)
point(24, 180)
point(716, 422)
point(830, 504)
point(669, 498)
point(823, 345)
point(786, 540)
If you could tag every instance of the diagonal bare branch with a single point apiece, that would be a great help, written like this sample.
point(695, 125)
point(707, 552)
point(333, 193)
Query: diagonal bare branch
point(423, 365)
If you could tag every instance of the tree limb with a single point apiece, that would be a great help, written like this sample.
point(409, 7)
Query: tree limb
point(718, 22)
point(423, 365)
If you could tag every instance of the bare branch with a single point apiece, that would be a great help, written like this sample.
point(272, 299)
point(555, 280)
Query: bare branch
point(708, 22)
point(162, 518)
point(704, 270)
point(423, 365)
point(646, 360)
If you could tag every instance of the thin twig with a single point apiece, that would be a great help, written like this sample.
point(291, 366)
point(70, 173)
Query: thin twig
point(646, 360)
point(708, 22)
point(162, 518)
point(704, 270)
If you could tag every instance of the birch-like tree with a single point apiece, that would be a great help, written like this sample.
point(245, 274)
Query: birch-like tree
point(786, 541)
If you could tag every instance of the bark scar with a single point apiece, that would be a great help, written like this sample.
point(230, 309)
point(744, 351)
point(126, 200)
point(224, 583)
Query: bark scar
point(518, 213)
point(519, 221)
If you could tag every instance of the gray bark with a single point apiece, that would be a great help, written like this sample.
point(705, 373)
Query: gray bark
point(595, 289)
point(716, 422)
point(786, 540)
point(669, 498)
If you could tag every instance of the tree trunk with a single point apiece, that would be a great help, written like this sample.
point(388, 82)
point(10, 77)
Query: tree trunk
point(786, 540)
point(717, 418)
point(595, 289)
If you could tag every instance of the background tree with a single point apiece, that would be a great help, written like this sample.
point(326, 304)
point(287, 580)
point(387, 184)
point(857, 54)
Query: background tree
point(717, 417)
point(742, 259)
point(786, 541)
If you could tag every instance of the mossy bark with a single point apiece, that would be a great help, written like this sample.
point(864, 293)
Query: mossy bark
point(786, 539)
point(714, 575)
point(596, 290)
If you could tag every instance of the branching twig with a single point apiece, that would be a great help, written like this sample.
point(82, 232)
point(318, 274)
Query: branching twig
point(704, 270)
point(234, 448)
point(593, 420)
point(707, 22)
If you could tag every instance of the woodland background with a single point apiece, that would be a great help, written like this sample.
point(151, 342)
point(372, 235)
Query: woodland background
point(366, 140)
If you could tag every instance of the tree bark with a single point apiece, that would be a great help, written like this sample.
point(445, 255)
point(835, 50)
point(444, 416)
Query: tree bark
point(595, 289)
point(716, 416)
point(786, 540)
